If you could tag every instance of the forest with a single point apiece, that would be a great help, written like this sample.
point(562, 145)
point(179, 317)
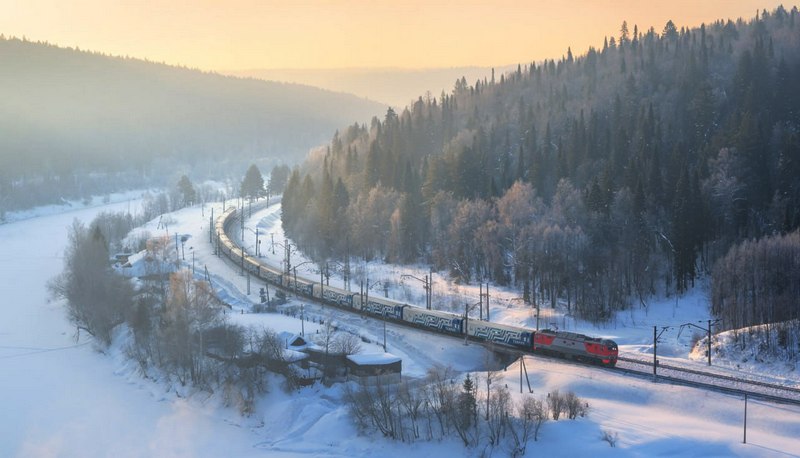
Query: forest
point(595, 180)
point(75, 123)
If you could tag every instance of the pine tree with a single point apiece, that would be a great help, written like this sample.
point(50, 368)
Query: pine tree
point(278, 178)
point(683, 238)
point(253, 183)
point(624, 37)
point(468, 403)
point(187, 192)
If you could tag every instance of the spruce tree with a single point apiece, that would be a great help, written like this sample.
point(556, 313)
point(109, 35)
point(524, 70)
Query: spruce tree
point(187, 192)
point(253, 183)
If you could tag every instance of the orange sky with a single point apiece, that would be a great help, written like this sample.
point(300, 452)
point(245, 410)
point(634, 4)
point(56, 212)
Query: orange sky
point(244, 34)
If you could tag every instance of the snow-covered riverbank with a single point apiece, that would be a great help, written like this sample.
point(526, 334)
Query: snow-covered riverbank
point(63, 398)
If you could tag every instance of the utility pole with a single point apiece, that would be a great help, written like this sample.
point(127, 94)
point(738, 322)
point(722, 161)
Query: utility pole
point(427, 285)
point(655, 348)
point(302, 322)
point(288, 256)
point(527, 379)
point(480, 299)
point(430, 287)
point(466, 323)
point(709, 342)
point(744, 441)
point(487, 302)
point(467, 308)
point(708, 334)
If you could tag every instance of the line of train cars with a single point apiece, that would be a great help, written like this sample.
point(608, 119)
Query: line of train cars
point(557, 343)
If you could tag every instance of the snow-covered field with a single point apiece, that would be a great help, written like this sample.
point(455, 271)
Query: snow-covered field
point(60, 397)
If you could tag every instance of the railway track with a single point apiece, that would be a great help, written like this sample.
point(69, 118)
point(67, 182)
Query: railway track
point(689, 376)
point(712, 381)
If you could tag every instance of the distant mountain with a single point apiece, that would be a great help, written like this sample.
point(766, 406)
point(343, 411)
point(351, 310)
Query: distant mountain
point(397, 87)
point(65, 111)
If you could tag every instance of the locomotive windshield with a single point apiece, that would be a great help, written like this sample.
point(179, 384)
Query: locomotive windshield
point(610, 344)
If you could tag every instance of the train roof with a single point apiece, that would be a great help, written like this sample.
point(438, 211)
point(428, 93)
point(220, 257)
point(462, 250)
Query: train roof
point(384, 301)
point(490, 324)
point(572, 335)
point(438, 313)
point(339, 290)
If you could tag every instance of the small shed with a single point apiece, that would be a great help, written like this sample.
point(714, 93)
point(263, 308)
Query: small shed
point(298, 362)
point(368, 367)
point(296, 342)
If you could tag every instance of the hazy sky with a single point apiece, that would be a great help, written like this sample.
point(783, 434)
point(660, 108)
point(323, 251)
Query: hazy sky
point(243, 34)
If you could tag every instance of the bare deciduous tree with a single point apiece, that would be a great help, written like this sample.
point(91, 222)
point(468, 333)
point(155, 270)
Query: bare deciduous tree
point(96, 297)
point(191, 309)
point(531, 415)
point(346, 344)
point(497, 418)
point(574, 406)
point(555, 403)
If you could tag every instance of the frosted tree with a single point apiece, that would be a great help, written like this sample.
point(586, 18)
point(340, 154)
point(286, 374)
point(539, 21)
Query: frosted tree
point(96, 297)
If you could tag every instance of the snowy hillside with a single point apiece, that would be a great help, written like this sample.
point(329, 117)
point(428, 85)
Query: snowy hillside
point(67, 399)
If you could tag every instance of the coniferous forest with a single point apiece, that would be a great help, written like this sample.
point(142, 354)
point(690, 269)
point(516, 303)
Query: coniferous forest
point(598, 180)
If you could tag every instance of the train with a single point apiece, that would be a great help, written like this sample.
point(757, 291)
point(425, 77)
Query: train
point(561, 344)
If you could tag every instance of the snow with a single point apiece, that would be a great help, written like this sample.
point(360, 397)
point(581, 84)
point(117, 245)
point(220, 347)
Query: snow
point(73, 205)
point(59, 396)
point(62, 397)
point(293, 356)
point(374, 359)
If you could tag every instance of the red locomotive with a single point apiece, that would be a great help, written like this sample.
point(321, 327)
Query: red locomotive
point(576, 346)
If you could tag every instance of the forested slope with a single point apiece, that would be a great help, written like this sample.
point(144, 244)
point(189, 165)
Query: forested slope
point(69, 118)
point(599, 179)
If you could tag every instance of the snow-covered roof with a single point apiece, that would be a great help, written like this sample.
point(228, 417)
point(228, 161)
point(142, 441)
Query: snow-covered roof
point(140, 264)
point(292, 356)
point(296, 341)
point(374, 359)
